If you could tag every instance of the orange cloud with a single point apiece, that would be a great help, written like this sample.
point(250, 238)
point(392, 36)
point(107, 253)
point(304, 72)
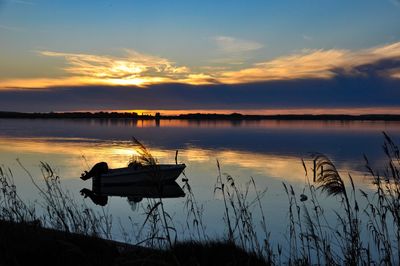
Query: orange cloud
point(320, 64)
point(309, 64)
point(141, 69)
point(40, 83)
point(134, 69)
point(394, 73)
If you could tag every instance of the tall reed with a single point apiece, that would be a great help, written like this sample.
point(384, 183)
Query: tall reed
point(62, 211)
point(238, 214)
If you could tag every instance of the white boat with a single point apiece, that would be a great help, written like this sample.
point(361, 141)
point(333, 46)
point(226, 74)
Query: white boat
point(134, 174)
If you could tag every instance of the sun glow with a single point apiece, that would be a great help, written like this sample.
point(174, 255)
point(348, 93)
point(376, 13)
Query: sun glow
point(137, 69)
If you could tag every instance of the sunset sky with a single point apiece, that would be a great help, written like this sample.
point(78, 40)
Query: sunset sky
point(304, 56)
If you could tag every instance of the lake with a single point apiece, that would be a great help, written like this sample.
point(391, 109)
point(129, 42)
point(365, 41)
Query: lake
point(269, 151)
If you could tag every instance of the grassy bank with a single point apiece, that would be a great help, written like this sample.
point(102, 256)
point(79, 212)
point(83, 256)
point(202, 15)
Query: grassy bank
point(31, 244)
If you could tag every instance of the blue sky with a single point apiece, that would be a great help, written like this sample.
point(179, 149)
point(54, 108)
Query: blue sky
point(76, 44)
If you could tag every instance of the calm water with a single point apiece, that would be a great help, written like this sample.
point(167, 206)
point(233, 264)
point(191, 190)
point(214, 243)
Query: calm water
point(268, 151)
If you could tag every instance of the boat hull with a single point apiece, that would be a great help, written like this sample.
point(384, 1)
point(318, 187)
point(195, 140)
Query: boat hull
point(153, 175)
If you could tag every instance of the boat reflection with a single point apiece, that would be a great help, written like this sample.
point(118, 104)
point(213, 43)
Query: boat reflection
point(135, 192)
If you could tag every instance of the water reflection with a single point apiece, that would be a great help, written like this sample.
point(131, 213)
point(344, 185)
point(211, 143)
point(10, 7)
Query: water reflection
point(268, 151)
point(341, 140)
point(73, 154)
point(118, 153)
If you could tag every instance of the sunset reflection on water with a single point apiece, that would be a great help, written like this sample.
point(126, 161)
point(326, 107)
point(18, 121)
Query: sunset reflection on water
point(269, 151)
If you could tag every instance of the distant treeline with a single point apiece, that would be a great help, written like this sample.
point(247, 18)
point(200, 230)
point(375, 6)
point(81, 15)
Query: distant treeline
point(72, 115)
point(237, 116)
point(200, 116)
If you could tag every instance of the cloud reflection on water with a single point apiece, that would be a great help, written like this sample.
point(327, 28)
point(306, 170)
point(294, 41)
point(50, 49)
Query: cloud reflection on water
point(68, 152)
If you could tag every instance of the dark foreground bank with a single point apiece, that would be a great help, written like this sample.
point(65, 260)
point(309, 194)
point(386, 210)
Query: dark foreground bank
point(30, 244)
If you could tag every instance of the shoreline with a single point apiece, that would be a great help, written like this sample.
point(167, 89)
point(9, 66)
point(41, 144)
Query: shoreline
point(198, 116)
point(25, 243)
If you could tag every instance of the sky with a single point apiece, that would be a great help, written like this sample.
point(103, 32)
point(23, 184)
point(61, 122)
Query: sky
point(249, 56)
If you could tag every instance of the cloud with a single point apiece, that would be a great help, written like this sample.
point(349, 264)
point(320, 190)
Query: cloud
point(343, 92)
point(23, 2)
point(395, 2)
point(314, 64)
point(317, 64)
point(233, 45)
point(133, 69)
point(144, 70)
point(9, 28)
point(395, 73)
point(41, 83)
point(228, 61)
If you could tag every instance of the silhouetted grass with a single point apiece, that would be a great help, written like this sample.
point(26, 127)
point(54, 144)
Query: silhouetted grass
point(56, 209)
point(194, 213)
point(239, 212)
